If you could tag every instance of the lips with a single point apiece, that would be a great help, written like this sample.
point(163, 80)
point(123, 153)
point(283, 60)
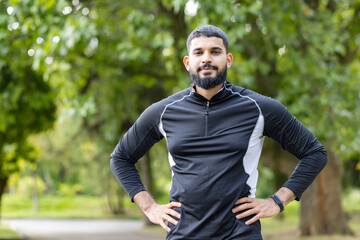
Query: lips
point(207, 68)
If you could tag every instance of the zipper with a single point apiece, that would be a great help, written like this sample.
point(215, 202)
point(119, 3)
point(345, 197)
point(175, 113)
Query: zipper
point(206, 117)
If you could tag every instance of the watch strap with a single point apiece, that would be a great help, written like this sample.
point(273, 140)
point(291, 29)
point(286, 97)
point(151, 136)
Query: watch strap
point(278, 202)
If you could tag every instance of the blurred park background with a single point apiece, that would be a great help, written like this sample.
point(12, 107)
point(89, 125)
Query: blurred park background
point(76, 74)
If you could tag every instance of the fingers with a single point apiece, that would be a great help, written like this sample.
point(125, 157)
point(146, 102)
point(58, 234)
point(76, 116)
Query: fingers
point(252, 220)
point(257, 208)
point(247, 208)
point(168, 214)
point(242, 207)
point(171, 220)
point(244, 200)
point(175, 204)
point(173, 213)
point(164, 226)
point(243, 204)
point(250, 212)
point(167, 219)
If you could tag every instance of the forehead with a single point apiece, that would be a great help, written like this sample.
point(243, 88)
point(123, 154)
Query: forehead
point(206, 43)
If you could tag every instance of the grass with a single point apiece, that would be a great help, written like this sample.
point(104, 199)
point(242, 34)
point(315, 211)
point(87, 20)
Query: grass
point(61, 207)
point(53, 207)
point(7, 233)
point(275, 229)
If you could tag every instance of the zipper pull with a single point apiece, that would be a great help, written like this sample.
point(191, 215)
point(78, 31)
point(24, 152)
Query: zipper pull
point(207, 107)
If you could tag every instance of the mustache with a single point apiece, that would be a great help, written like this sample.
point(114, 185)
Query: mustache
point(207, 66)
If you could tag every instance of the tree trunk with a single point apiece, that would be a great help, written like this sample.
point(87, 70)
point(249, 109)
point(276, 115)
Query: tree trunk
point(3, 182)
point(115, 196)
point(35, 197)
point(147, 178)
point(115, 203)
point(146, 173)
point(321, 209)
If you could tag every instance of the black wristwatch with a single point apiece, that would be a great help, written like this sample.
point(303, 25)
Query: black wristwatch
point(278, 202)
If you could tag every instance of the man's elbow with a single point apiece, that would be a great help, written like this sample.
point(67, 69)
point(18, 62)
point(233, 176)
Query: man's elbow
point(323, 158)
point(115, 162)
point(112, 163)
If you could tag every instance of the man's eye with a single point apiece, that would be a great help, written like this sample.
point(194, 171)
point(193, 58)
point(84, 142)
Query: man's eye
point(216, 52)
point(197, 53)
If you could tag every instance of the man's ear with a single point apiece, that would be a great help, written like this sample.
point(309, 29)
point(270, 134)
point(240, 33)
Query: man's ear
point(229, 60)
point(186, 63)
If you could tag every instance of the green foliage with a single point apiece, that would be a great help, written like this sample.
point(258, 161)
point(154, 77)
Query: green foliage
point(101, 63)
point(26, 99)
point(70, 190)
point(25, 186)
point(67, 160)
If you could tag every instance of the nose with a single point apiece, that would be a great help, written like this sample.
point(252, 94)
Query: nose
point(206, 58)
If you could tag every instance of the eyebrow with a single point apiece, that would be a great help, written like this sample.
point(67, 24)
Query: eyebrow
point(213, 48)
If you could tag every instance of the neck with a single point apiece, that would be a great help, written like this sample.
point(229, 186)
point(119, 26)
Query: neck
point(208, 93)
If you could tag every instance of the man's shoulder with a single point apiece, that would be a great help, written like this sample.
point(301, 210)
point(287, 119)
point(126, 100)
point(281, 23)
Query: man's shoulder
point(178, 96)
point(151, 115)
point(267, 104)
point(161, 104)
point(172, 98)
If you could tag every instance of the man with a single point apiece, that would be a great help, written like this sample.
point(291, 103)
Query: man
point(214, 133)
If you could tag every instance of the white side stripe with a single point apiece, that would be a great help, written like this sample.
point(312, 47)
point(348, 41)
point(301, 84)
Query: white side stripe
point(253, 152)
point(252, 155)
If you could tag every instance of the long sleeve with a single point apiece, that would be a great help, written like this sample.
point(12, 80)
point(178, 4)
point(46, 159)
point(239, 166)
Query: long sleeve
point(132, 146)
point(295, 138)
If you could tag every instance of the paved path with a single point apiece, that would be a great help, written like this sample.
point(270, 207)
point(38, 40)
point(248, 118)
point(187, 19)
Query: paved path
point(66, 229)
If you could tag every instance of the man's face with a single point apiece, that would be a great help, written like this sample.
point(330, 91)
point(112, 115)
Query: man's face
point(207, 61)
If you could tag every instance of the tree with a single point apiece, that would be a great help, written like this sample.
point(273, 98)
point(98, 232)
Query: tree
point(27, 101)
point(27, 96)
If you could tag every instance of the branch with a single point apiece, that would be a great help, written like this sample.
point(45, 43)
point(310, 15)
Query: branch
point(332, 5)
point(314, 4)
point(178, 27)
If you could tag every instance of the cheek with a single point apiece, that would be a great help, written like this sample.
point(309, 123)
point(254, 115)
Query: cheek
point(194, 60)
point(193, 66)
point(222, 62)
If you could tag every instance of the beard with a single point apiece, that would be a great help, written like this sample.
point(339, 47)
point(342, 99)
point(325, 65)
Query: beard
point(208, 82)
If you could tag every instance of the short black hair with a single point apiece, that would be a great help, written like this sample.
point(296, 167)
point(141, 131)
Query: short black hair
point(208, 31)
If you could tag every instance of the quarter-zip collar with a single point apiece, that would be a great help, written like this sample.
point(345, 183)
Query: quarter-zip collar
point(219, 96)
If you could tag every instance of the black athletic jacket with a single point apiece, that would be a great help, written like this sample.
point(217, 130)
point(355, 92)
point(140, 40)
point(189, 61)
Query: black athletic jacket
point(214, 148)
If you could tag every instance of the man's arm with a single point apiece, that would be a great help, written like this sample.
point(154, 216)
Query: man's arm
point(158, 214)
point(129, 178)
point(295, 138)
point(135, 143)
point(132, 146)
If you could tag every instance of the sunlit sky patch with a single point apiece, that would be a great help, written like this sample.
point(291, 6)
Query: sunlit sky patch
point(191, 8)
point(10, 10)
